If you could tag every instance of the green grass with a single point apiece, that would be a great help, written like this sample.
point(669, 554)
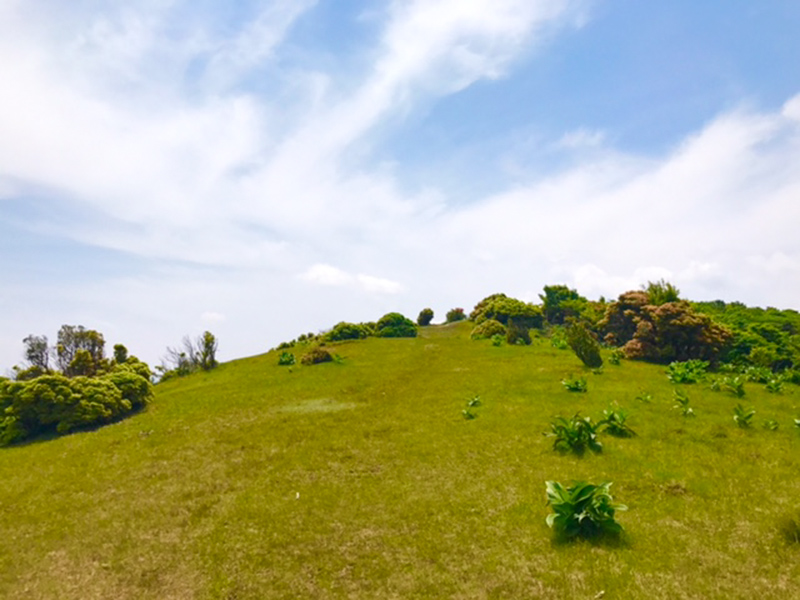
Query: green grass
point(363, 479)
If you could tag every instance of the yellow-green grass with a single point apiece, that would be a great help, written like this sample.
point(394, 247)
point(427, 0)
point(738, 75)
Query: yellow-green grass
point(363, 479)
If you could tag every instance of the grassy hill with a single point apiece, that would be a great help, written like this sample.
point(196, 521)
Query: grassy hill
point(362, 479)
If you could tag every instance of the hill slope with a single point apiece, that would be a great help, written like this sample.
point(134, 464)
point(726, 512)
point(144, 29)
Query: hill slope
point(362, 479)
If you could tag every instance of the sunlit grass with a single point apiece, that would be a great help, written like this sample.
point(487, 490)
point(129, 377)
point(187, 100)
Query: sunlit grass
point(363, 479)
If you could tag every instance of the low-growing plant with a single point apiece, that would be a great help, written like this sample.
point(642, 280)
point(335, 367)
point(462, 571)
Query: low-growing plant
point(645, 397)
point(682, 403)
point(758, 374)
point(797, 423)
point(770, 424)
point(575, 434)
point(582, 510)
point(716, 384)
point(789, 528)
point(688, 371)
point(286, 359)
point(575, 384)
point(774, 385)
point(615, 422)
point(616, 356)
point(558, 339)
point(598, 371)
point(316, 356)
point(468, 414)
point(497, 340)
point(518, 333)
point(743, 416)
point(734, 385)
point(476, 401)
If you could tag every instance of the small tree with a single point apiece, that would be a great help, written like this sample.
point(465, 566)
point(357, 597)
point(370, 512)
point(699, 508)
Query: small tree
point(37, 352)
point(584, 345)
point(455, 314)
point(207, 345)
point(120, 354)
point(425, 317)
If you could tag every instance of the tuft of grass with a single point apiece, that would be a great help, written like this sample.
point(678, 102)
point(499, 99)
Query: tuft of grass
point(575, 434)
point(682, 403)
point(575, 384)
point(742, 416)
point(615, 421)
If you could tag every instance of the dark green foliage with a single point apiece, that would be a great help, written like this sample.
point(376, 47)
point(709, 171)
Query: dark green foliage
point(789, 528)
point(734, 385)
point(488, 329)
point(560, 303)
point(742, 416)
point(661, 292)
point(55, 403)
point(37, 352)
point(315, 356)
point(394, 325)
point(120, 354)
point(575, 384)
point(575, 434)
point(616, 356)
point(347, 331)
point(455, 314)
point(518, 333)
point(497, 340)
point(582, 510)
point(584, 345)
point(208, 345)
point(286, 359)
point(770, 425)
point(425, 317)
point(502, 308)
point(688, 371)
point(774, 385)
point(682, 403)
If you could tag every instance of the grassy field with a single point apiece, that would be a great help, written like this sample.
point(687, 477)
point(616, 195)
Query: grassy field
point(362, 479)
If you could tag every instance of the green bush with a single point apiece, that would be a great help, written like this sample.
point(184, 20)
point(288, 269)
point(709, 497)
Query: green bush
point(582, 510)
point(518, 333)
point(425, 317)
point(315, 356)
point(616, 356)
point(455, 314)
point(575, 434)
point(502, 308)
point(488, 329)
point(497, 340)
point(615, 422)
point(394, 325)
point(286, 359)
point(742, 416)
point(734, 385)
point(575, 384)
point(347, 331)
point(688, 371)
point(583, 344)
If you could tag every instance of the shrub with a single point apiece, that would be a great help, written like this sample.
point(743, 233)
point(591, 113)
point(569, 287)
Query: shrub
point(286, 359)
point(346, 331)
point(661, 292)
point(575, 384)
point(575, 434)
point(616, 356)
point(455, 314)
point(734, 385)
point(518, 333)
point(315, 356)
point(758, 374)
point(502, 308)
point(497, 340)
point(582, 510)
point(584, 345)
point(394, 325)
point(134, 388)
point(560, 303)
point(488, 329)
point(774, 385)
point(743, 416)
point(425, 317)
point(688, 371)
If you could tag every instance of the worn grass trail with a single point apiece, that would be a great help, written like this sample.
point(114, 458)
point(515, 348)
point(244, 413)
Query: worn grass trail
point(364, 480)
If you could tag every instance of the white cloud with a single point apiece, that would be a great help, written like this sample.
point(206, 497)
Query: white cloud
point(212, 317)
point(326, 275)
point(379, 285)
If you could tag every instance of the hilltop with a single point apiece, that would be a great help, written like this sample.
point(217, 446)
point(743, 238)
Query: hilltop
point(362, 478)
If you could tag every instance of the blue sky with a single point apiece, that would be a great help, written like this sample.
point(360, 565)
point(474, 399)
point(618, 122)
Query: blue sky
point(266, 168)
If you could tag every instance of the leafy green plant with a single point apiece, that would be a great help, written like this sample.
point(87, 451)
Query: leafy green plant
point(582, 510)
point(734, 385)
point(743, 416)
point(774, 385)
point(716, 384)
point(575, 384)
point(468, 414)
point(770, 424)
point(758, 374)
point(497, 340)
point(616, 356)
point(645, 397)
point(575, 434)
point(476, 401)
point(487, 329)
point(682, 403)
point(615, 422)
point(558, 339)
point(286, 359)
point(688, 371)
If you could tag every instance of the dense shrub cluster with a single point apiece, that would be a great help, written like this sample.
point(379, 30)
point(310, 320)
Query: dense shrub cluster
point(395, 325)
point(348, 331)
point(60, 404)
point(670, 332)
point(487, 329)
point(315, 356)
point(455, 314)
point(502, 308)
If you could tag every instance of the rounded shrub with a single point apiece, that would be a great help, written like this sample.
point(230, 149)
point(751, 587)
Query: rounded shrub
point(316, 356)
point(347, 331)
point(455, 314)
point(395, 325)
point(583, 344)
point(425, 317)
point(488, 329)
